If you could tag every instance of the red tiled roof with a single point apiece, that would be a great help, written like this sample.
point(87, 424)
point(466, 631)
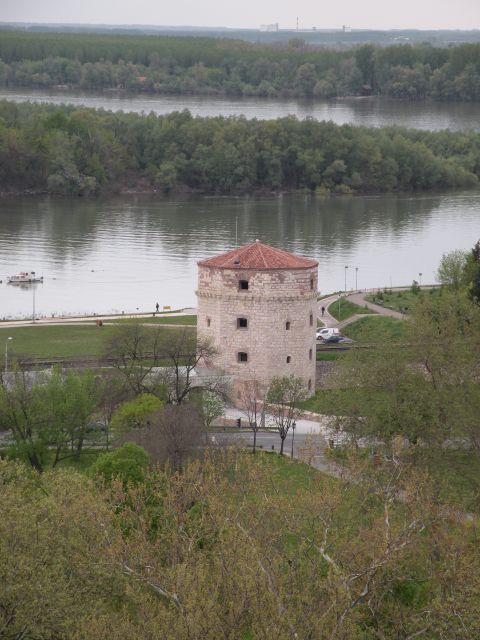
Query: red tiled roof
point(258, 256)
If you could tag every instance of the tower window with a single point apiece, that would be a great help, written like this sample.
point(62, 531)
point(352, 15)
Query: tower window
point(287, 325)
point(311, 319)
point(311, 283)
point(242, 356)
point(310, 354)
point(289, 359)
point(309, 384)
point(208, 322)
point(242, 323)
point(243, 285)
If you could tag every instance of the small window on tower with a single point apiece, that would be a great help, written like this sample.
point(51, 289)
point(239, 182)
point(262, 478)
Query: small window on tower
point(243, 285)
point(311, 283)
point(310, 353)
point(242, 356)
point(208, 322)
point(287, 325)
point(309, 385)
point(289, 359)
point(242, 323)
point(311, 319)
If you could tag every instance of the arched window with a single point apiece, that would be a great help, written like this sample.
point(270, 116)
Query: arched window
point(289, 359)
point(310, 353)
point(287, 325)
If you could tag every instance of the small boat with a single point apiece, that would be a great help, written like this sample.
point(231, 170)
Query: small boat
point(24, 277)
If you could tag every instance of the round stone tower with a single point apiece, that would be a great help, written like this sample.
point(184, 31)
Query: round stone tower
point(258, 304)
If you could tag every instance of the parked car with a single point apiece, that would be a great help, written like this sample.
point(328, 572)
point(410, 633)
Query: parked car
point(326, 332)
point(335, 337)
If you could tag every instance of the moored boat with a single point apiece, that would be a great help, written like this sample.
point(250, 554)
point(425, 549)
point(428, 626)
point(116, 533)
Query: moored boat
point(24, 277)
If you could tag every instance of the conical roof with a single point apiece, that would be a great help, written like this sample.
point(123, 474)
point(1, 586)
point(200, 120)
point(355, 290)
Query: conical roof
point(257, 255)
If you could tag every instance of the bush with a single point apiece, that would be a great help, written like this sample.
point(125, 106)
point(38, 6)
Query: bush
point(128, 463)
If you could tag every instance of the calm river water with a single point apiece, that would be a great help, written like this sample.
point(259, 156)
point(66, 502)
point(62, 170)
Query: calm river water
point(370, 112)
point(124, 254)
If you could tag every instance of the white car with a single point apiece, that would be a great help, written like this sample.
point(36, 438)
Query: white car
point(327, 332)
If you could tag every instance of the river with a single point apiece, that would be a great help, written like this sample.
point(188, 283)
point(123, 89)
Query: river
point(125, 254)
point(369, 112)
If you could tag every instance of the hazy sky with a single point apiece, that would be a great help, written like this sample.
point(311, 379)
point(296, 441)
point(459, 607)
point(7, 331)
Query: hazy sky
point(379, 14)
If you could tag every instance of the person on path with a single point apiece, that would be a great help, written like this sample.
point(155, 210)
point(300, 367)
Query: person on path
point(323, 311)
point(157, 307)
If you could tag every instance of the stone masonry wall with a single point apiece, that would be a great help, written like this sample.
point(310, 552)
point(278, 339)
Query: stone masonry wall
point(273, 299)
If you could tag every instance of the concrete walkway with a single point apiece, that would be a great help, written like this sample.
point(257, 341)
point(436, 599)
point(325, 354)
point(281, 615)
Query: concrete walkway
point(357, 297)
point(88, 320)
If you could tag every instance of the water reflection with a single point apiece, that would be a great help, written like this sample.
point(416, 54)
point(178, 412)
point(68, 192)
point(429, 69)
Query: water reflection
point(126, 253)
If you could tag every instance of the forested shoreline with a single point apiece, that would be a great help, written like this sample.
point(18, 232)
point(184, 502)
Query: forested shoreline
point(215, 66)
point(80, 151)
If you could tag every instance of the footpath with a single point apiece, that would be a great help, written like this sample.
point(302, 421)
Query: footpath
point(357, 297)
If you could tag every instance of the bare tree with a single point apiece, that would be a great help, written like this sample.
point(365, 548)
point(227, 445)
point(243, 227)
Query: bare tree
point(174, 434)
point(282, 397)
point(252, 405)
point(136, 351)
point(161, 361)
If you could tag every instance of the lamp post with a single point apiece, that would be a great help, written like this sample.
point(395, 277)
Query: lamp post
point(356, 278)
point(294, 424)
point(6, 353)
point(420, 278)
point(346, 267)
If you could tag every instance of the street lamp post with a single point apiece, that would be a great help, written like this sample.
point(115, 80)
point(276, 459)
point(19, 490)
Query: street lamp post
point(294, 424)
point(420, 277)
point(346, 267)
point(356, 278)
point(6, 353)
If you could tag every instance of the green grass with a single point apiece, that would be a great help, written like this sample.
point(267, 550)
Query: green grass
point(57, 341)
point(375, 329)
point(328, 356)
point(177, 320)
point(343, 309)
point(456, 475)
point(401, 301)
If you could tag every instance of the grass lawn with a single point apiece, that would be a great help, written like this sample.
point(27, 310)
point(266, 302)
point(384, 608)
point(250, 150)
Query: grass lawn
point(180, 320)
point(375, 329)
point(401, 301)
point(56, 341)
point(343, 309)
point(329, 356)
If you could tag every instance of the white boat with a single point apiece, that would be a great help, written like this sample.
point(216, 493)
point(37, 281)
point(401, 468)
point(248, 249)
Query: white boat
point(24, 277)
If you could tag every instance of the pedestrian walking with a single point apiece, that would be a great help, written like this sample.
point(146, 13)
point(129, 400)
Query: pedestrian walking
point(323, 311)
point(157, 307)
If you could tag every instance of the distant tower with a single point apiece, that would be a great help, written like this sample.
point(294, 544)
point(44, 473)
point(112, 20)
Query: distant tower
point(258, 304)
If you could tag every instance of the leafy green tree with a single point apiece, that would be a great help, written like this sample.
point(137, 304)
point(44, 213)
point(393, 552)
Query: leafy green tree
point(452, 268)
point(136, 413)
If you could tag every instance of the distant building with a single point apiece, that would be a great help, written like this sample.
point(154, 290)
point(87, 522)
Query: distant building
point(269, 27)
point(258, 304)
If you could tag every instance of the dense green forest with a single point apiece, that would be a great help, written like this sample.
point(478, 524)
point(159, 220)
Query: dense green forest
point(81, 151)
point(199, 65)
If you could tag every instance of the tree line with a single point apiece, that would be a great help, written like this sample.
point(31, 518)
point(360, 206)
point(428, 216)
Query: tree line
point(68, 150)
point(213, 66)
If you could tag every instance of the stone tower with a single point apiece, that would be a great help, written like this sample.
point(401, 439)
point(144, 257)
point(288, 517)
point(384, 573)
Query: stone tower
point(258, 304)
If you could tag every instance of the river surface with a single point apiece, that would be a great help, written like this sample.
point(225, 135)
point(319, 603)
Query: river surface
point(127, 253)
point(369, 112)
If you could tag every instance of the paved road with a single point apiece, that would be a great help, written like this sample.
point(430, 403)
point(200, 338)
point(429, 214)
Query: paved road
point(316, 431)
